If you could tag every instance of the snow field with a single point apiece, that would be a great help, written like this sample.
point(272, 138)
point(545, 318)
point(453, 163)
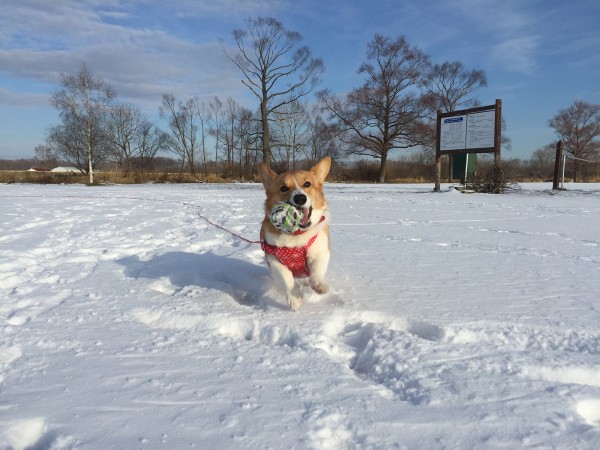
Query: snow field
point(454, 321)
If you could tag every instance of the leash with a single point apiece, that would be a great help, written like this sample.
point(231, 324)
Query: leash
point(216, 225)
point(188, 204)
point(220, 227)
point(206, 219)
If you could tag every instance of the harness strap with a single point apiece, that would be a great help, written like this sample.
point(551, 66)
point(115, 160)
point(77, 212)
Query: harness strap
point(300, 231)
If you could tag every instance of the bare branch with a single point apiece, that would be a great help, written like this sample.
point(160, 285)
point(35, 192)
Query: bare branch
point(267, 59)
point(386, 112)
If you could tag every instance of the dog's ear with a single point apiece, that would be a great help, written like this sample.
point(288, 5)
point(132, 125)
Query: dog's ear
point(321, 169)
point(266, 174)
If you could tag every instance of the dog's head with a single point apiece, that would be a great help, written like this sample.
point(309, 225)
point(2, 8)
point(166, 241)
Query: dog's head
point(301, 188)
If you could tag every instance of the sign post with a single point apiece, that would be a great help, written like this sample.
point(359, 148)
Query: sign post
point(557, 160)
point(475, 130)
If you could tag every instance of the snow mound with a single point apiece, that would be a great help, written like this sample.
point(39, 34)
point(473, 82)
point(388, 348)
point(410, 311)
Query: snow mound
point(590, 411)
point(32, 433)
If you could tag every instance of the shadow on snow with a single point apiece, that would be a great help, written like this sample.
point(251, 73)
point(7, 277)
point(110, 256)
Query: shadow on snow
point(248, 283)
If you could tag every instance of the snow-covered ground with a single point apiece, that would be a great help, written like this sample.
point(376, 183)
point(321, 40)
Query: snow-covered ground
point(454, 321)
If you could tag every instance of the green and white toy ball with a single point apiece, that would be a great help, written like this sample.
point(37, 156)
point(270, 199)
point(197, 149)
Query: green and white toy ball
point(285, 217)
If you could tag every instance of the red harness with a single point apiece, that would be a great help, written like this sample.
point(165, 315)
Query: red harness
point(294, 258)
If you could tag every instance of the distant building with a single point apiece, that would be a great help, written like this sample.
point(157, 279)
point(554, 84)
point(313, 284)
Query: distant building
point(65, 169)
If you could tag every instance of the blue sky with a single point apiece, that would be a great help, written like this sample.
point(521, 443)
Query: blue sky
point(539, 55)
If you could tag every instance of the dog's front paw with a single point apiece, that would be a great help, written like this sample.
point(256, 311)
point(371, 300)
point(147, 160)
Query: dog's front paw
point(320, 287)
point(295, 302)
point(294, 297)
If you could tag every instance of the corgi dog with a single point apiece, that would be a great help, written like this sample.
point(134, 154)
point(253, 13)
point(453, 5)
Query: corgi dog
point(305, 252)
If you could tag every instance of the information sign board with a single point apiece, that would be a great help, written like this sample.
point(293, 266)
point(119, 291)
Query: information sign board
point(453, 132)
point(468, 131)
point(480, 130)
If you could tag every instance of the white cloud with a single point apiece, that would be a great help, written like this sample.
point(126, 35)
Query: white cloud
point(516, 55)
point(239, 7)
point(140, 63)
point(23, 99)
point(503, 33)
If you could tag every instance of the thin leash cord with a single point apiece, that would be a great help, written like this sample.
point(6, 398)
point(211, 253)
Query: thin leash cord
point(203, 217)
point(220, 227)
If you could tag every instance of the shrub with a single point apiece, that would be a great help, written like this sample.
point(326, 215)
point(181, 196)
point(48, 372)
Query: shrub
point(494, 179)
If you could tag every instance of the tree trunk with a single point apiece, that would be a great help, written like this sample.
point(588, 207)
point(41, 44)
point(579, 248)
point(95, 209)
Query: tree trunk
point(192, 164)
point(294, 158)
point(90, 164)
point(265, 129)
point(383, 167)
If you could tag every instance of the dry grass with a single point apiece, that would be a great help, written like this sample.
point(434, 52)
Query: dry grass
point(15, 176)
point(8, 177)
point(410, 180)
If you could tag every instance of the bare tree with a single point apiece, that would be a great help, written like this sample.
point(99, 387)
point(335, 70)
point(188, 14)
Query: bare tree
point(217, 115)
point(274, 68)
point(182, 121)
point(231, 131)
point(204, 118)
point(83, 102)
point(67, 141)
point(541, 163)
point(70, 141)
point(293, 131)
point(388, 110)
point(124, 125)
point(453, 87)
point(45, 156)
point(151, 140)
point(250, 132)
point(578, 127)
point(323, 141)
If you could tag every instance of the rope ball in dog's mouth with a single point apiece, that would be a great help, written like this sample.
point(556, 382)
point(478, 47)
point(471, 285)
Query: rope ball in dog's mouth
point(286, 217)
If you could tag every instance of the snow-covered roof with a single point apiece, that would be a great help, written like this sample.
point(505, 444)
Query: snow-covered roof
point(65, 169)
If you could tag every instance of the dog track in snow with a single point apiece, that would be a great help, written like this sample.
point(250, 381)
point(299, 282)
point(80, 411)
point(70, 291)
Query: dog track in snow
point(330, 430)
point(379, 350)
point(399, 358)
point(402, 359)
point(522, 337)
point(423, 363)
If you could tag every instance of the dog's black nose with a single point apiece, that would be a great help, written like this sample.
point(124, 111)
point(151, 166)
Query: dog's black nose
point(299, 199)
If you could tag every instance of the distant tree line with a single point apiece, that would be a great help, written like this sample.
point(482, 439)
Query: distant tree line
point(394, 108)
point(415, 167)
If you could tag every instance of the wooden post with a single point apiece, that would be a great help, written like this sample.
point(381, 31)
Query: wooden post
point(438, 171)
point(557, 163)
point(498, 132)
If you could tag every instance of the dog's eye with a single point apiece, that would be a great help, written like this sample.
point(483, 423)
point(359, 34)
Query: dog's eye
point(307, 184)
point(284, 189)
